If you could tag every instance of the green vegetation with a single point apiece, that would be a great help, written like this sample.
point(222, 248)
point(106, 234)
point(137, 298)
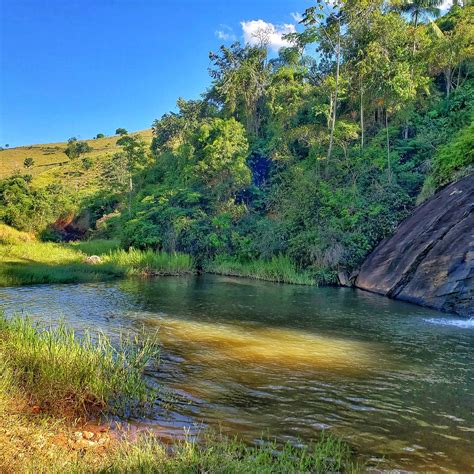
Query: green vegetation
point(148, 262)
point(62, 374)
point(221, 455)
point(24, 261)
point(455, 158)
point(289, 168)
point(49, 377)
point(279, 269)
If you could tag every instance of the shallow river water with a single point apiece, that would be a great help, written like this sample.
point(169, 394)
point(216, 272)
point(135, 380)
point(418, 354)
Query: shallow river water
point(260, 359)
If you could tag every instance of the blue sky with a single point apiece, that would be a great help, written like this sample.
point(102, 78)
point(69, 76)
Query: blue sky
point(82, 67)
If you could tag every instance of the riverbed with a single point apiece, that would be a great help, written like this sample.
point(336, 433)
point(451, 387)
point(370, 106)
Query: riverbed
point(262, 360)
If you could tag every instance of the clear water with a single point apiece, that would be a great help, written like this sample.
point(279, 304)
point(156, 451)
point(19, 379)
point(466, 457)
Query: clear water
point(255, 358)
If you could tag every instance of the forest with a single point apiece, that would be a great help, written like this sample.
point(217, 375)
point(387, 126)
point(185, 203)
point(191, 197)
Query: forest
point(307, 159)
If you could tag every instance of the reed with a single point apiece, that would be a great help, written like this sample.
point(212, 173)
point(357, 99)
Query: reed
point(148, 262)
point(77, 377)
point(279, 269)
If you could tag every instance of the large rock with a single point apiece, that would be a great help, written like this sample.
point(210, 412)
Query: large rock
point(430, 258)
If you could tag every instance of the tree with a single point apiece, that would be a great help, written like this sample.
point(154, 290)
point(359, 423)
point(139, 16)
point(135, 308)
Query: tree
point(75, 148)
point(419, 9)
point(132, 159)
point(28, 162)
point(99, 135)
point(241, 75)
point(217, 158)
point(452, 48)
point(121, 131)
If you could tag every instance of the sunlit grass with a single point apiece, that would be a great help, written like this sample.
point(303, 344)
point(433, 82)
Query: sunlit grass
point(67, 375)
point(218, 454)
point(51, 163)
point(96, 247)
point(148, 262)
point(10, 236)
point(25, 261)
point(279, 269)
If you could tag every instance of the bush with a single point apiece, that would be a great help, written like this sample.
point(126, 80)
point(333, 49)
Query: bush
point(455, 158)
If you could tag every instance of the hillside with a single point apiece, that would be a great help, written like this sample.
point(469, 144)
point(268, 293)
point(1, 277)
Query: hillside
point(289, 162)
point(52, 165)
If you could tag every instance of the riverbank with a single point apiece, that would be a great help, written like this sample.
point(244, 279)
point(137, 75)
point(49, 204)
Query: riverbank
point(25, 261)
point(54, 387)
point(279, 270)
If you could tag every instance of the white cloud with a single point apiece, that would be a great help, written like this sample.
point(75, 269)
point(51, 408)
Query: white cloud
point(225, 33)
point(297, 16)
point(259, 31)
point(446, 5)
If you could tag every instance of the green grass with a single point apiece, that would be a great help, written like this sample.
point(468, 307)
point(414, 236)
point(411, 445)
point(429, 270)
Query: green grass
point(11, 236)
point(96, 247)
point(68, 377)
point(148, 262)
point(50, 161)
point(33, 262)
point(218, 454)
point(78, 377)
point(25, 261)
point(279, 269)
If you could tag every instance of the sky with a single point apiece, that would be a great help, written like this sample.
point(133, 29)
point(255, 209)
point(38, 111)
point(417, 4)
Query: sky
point(82, 67)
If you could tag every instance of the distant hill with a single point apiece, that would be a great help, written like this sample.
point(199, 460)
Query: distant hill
point(52, 165)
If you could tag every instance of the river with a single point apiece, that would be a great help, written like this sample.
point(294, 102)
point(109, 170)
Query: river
point(260, 359)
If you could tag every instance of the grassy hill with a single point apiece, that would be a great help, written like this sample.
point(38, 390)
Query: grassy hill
point(52, 165)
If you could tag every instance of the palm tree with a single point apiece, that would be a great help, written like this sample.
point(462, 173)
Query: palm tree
point(419, 8)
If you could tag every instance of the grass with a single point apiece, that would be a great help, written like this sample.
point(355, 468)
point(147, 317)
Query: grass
point(25, 261)
point(148, 262)
point(50, 158)
point(96, 247)
point(218, 454)
point(9, 235)
point(79, 377)
point(51, 369)
point(279, 269)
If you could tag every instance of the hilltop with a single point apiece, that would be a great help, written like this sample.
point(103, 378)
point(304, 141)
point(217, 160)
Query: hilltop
point(51, 164)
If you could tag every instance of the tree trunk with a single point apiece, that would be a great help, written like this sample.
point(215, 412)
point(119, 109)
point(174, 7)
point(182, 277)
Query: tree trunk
point(415, 26)
point(447, 75)
point(361, 116)
point(333, 119)
point(389, 163)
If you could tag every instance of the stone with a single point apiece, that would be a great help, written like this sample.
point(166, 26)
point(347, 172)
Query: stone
point(87, 434)
point(92, 260)
point(430, 258)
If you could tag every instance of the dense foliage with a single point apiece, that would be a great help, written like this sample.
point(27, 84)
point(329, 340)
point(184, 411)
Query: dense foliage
point(315, 155)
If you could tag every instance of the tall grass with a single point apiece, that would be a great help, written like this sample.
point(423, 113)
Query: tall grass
point(96, 247)
point(218, 454)
point(279, 269)
point(148, 262)
point(25, 261)
point(10, 236)
point(66, 375)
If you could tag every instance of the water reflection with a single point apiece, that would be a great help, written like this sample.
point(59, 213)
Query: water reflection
point(394, 379)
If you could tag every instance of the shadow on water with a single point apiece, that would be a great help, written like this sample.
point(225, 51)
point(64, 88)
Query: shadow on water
point(252, 357)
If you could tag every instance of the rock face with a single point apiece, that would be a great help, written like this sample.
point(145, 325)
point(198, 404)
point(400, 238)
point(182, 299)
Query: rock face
point(430, 258)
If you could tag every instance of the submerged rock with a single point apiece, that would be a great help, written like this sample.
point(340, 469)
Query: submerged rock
point(430, 258)
point(92, 260)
